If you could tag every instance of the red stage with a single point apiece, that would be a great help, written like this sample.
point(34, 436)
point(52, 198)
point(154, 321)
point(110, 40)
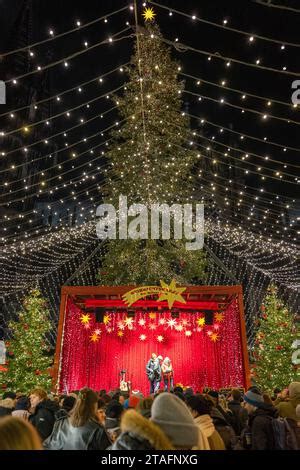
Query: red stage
point(204, 337)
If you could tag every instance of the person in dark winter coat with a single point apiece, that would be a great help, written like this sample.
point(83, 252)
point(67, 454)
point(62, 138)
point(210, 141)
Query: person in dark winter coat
point(239, 413)
point(82, 430)
point(260, 427)
point(6, 407)
point(21, 408)
point(67, 404)
point(42, 412)
point(227, 415)
point(112, 425)
point(225, 430)
point(11, 395)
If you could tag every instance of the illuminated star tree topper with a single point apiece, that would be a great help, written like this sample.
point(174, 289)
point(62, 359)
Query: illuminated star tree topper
point(149, 14)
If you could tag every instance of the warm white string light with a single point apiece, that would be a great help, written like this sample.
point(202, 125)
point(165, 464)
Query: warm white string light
point(73, 56)
point(243, 196)
point(63, 34)
point(246, 154)
point(184, 47)
point(243, 108)
point(54, 177)
point(64, 92)
point(243, 134)
point(60, 133)
point(225, 27)
point(28, 127)
point(202, 179)
point(276, 5)
point(244, 93)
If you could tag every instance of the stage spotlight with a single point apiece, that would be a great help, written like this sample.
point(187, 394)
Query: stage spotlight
point(209, 317)
point(99, 313)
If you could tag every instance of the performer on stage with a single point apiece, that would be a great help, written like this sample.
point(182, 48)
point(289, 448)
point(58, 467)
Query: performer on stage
point(168, 374)
point(153, 371)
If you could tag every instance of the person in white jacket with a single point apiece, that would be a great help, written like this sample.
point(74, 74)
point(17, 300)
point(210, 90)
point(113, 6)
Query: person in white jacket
point(168, 374)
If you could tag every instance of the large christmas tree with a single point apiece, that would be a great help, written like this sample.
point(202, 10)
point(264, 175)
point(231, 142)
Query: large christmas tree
point(151, 162)
point(28, 362)
point(273, 346)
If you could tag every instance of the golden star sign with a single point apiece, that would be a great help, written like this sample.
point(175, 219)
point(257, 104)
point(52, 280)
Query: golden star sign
point(120, 333)
point(219, 317)
point(94, 337)
point(85, 318)
point(149, 14)
point(201, 321)
point(214, 337)
point(152, 315)
point(106, 319)
point(171, 293)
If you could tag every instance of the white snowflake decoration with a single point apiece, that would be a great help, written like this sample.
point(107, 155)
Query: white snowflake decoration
point(171, 323)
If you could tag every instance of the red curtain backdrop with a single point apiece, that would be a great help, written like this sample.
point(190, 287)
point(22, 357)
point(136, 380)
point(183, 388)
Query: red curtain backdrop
point(197, 360)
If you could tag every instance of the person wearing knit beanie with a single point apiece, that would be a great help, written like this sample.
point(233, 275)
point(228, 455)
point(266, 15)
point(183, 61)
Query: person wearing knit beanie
point(173, 416)
point(260, 420)
point(254, 399)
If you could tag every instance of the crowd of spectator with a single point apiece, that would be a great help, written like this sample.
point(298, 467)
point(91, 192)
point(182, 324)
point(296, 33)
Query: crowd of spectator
point(182, 419)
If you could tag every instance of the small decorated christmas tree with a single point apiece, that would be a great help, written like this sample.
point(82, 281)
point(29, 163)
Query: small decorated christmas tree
point(273, 346)
point(27, 364)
